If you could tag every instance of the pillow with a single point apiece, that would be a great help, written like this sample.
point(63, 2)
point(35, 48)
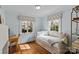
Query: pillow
point(41, 33)
point(44, 33)
point(65, 40)
point(53, 33)
point(62, 35)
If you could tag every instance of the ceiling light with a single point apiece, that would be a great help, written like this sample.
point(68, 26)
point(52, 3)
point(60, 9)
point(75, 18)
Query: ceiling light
point(37, 7)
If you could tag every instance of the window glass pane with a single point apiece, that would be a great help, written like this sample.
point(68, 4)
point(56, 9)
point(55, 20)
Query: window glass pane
point(30, 27)
point(26, 26)
point(54, 26)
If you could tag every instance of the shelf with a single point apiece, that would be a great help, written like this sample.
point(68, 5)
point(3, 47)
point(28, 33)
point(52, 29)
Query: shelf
point(76, 9)
point(76, 19)
point(75, 44)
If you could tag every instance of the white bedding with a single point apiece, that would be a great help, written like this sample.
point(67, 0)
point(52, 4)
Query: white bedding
point(50, 43)
point(46, 38)
point(49, 40)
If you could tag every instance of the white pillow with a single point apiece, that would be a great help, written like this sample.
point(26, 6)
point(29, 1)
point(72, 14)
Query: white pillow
point(53, 33)
point(43, 33)
point(62, 35)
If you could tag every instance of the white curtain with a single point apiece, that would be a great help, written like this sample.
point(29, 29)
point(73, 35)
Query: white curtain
point(25, 18)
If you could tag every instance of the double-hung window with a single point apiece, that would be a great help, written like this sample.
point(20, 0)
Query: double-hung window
point(26, 26)
point(55, 23)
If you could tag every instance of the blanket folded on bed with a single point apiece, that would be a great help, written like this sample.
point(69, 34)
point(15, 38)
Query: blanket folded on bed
point(52, 43)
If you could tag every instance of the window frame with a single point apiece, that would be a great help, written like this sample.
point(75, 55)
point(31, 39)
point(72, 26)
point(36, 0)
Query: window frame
point(53, 25)
point(51, 17)
point(27, 26)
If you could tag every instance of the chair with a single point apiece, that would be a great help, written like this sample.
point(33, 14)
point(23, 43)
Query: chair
point(13, 43)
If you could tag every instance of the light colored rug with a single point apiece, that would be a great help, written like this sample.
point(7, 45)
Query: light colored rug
point(25, 46)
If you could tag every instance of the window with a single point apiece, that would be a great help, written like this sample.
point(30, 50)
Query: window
point(55, 22)
point(26, 26)
point(54, 25)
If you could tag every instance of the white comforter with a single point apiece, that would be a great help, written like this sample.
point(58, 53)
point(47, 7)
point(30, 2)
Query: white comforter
point(49, 39)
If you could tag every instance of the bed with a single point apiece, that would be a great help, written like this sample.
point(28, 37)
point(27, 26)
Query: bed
point(51, 43)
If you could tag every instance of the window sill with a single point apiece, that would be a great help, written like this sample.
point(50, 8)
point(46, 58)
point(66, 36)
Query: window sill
point(27, 33)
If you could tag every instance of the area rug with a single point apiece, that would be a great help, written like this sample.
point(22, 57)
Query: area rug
point(25, 46)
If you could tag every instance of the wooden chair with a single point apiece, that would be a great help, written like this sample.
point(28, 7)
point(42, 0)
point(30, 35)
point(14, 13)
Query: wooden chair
point(13, 42)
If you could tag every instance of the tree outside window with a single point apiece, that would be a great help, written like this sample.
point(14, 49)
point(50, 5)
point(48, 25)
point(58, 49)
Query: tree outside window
point(54, 25)
point(26, 26)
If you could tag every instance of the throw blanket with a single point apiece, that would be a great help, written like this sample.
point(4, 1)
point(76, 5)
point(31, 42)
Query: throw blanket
point(52, 43)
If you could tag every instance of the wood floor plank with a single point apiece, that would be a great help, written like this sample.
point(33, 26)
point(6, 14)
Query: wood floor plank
point(35, 49)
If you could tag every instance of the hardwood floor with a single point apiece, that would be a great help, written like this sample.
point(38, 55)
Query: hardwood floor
point(34, 49)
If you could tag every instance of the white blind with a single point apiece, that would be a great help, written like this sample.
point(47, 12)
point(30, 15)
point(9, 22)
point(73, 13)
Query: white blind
point(25, 18)
point(55, 16)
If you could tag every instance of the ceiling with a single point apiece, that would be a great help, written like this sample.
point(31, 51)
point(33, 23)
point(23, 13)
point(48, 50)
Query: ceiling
point(30, 9)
